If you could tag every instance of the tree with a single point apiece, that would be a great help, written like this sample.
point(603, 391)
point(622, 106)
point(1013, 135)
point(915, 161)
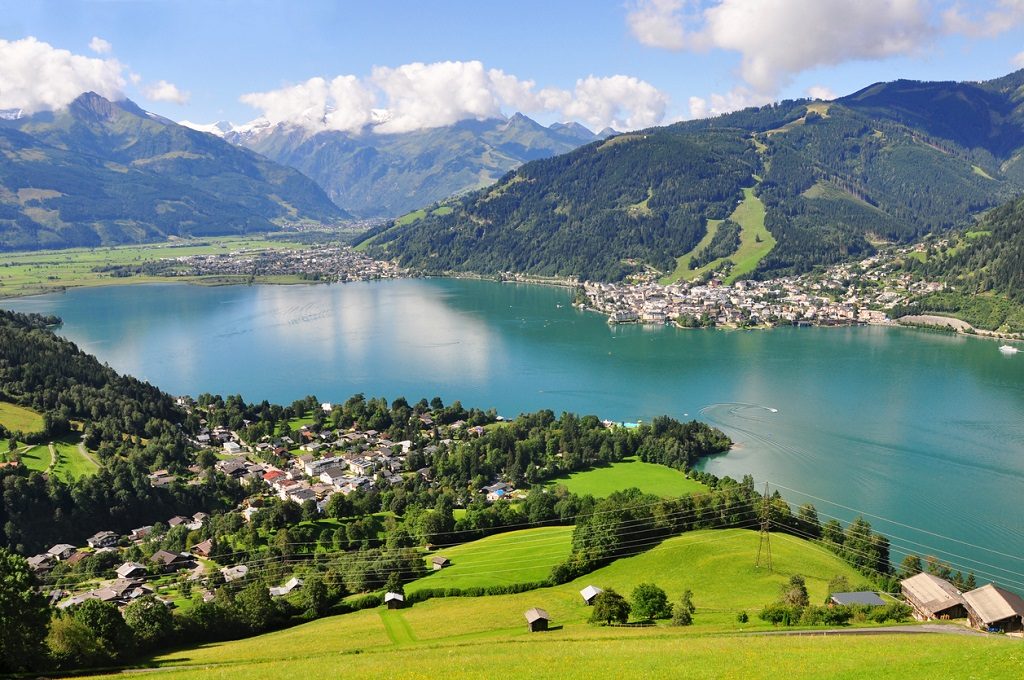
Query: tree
point(394, 583)
point(838, 584)
point(24, 615)
point(650, 602)
point(794, 593)
point(150, 622)
point(72, 645)
point(254, 607)
point(910, 566)
point(315, 595)
point(683, 611)
point(610, 606)
point(106, 625)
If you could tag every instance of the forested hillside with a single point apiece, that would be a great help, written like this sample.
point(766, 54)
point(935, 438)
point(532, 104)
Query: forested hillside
point(101, 172)
point(892, 162)
point(132, 425)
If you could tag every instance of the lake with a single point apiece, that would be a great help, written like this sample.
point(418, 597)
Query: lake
point(921, 432)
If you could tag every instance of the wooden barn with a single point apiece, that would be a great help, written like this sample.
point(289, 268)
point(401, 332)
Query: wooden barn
point(394, 600)
point(933, 598)
point(589, 593)
point(993, 608)
point(440, 562)
point(537, 619)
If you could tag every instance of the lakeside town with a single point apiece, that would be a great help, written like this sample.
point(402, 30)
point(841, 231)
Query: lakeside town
point(845, 294)
point(329, 264)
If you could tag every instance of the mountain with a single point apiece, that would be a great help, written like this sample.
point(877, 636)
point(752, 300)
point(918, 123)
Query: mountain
point(101, 172)
point(891, 162)
point(385, 175)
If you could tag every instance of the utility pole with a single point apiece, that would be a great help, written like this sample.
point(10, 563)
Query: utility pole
point(765, 545)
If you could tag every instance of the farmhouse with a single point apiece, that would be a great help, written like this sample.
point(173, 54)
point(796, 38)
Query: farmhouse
point(993, 608)
point(394, 600)
point(932, 597)
point(292, 584)
point(864, 597)
point(131, 570)
point(168, 561)
point(102, 539)
point(232, 448)
point(40, 563)
point(203, 549)
point(61, 551)
point(234, 573)
point(536, 619)
point(440, 562)
point(589, 593)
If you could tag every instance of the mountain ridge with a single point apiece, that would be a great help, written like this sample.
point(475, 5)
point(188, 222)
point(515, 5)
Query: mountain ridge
point(101, 173)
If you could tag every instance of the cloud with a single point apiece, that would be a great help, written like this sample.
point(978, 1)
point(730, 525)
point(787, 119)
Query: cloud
point(35, 76)
point(999, 18)
point(163, 91)
point(821, 92)
point(621, 102)
point(1018, 60)
point(734, 100)
point(777, 39)
point(418, 95)
point(658, 23)
point(100, 46)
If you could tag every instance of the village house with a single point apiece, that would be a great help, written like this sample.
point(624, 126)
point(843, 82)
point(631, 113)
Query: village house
point(394, 600)
point(131, 570)
point(168, 561)
point(140, 533)
point(232, 448)
point(203, 549)
point(994, 609)
point(41, 563)
point(280, 591)
point(933, 598)
point(102, 539)
point(61, 551)
point(234, 573)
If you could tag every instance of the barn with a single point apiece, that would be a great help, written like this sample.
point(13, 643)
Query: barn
point(537, 619)
point(993, 608)
point(589, 593)
point(394, 600)
point(933, 598)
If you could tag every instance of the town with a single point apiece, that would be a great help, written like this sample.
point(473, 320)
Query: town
point(329, 264)
point(845, 294)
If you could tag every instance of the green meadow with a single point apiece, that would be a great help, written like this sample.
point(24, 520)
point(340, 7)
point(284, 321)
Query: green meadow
point(652, 478)
point(43, 271)
point(463, 637)
point(20, 419)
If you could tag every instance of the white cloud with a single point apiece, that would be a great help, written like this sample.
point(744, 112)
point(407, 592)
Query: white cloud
point(734, 100)
point(99, 45)
point(163, 91)
point(994, 20)
point(658, 23)
point(431, 95)
point(821, 92)
point(417, 96)
point(35, 76)
point(779, 38)
point(621, 102)
point(1018, 60)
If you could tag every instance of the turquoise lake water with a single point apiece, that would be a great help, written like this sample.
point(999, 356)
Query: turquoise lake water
point(922, 432)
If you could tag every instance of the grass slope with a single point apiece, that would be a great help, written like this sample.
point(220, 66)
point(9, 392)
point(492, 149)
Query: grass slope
point(470, 637)
point(71, 463)
point(515, 557)
point(749, 214)
point(20, 419)
point(648, 477)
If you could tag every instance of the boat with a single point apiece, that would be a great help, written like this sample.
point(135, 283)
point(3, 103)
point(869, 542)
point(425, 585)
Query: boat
point(1008, 349)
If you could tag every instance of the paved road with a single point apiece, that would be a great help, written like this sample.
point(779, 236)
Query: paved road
point(924, 629)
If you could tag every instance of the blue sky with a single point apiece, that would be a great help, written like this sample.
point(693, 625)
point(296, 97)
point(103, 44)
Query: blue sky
point(626, 63)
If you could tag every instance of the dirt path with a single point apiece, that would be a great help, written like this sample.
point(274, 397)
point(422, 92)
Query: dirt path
point(53, 458)
point(85, 454)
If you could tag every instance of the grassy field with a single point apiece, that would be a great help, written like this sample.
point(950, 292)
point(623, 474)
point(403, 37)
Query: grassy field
point(471, 637)
point(71, 462)
point(515, 557)
point(755, 242)
point(37, 458)
point(648, 477)
point(20, 419)
point(41, 271)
